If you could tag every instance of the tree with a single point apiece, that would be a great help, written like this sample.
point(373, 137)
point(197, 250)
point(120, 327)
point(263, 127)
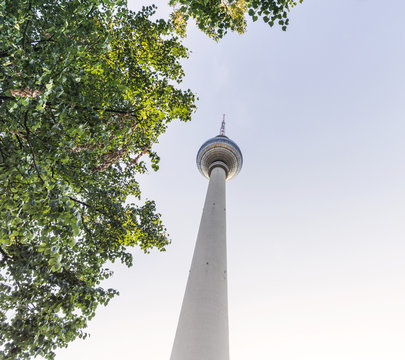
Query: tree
point(215, 18)
point(86, 89)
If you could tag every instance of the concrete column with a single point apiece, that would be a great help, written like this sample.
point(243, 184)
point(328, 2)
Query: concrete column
point(202, 332)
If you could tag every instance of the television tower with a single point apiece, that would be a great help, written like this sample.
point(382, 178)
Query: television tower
point(202, 332)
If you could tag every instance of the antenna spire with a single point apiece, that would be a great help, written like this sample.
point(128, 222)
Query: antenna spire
point(222, 132)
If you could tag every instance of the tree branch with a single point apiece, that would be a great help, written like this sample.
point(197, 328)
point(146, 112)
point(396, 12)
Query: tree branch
point(19, 141)
point(5, 255)
point(2, 154)
point(80, 202)
point(26, 25)
point(31, 149)
point(89, 206)
point(36, 43)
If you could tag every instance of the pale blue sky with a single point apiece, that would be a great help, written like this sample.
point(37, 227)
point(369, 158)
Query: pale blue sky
point(316, 224)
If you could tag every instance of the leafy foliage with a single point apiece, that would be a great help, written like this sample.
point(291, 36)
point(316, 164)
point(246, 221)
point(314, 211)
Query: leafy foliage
point(86, 88)
point(215, 17)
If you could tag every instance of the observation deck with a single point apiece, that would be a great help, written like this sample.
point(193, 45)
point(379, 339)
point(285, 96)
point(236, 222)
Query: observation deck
point(220, 151)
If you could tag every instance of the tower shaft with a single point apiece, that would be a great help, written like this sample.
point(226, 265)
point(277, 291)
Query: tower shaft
point(202, 332)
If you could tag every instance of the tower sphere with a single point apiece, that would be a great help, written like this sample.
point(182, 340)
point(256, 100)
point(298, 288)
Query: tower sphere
point(222, 152)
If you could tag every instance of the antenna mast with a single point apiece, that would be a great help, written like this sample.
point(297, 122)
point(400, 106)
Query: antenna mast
point(222, 132)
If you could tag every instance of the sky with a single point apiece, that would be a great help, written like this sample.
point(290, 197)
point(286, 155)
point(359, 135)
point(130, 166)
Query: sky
point(315, 220)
